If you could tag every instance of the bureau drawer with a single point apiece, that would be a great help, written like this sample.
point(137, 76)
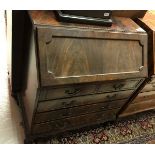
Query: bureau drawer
point(149, 87)
point(84, 100)
point(76, 111)
point(152, 79)
point(86, 89)
point(75, 122)
point(143, 102)
point(145, 96)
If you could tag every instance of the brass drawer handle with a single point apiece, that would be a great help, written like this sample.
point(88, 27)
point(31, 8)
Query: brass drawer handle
point(67, 112)
point(72, 92)
point(103, 108)
point(68, 104)
point(111, 96)
point(60, 124)
point(118, 86)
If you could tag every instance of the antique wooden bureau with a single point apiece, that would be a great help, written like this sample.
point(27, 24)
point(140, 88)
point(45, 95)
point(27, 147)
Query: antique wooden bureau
point(78, 75)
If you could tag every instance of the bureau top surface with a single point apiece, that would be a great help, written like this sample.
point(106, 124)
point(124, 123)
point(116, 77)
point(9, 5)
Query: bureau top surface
point(149, 19)
point(120, 24)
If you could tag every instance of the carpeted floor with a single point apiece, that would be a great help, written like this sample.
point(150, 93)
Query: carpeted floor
point(137, 129)
point(11, 132)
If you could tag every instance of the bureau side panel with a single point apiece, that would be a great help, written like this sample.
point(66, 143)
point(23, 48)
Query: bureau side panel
point(19, 27)
point(30, 80)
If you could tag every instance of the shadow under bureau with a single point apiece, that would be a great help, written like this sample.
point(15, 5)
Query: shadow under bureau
point(78, 75)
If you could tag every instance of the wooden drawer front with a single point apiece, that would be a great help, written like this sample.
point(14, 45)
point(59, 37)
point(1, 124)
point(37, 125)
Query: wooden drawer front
point(71, 112)
point(86, 89)
point(143, 102)
point(77, 101)
point(144, 97)
point(75, 122)
point(66, 58)
point(152, 79)
point(149, 87)
point(138, 107)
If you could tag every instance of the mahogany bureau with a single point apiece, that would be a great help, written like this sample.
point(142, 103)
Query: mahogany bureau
point(78, 75)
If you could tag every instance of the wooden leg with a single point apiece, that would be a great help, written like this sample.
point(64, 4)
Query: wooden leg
point(28, 141)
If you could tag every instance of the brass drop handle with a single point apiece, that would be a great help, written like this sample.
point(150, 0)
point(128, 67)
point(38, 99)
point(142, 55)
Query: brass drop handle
point(118, 86)
point(59, 124)
point(111, 96)
point(69, 103)
point(67, 112)
point(62, 124)
point(72, 92)
point(103, 107)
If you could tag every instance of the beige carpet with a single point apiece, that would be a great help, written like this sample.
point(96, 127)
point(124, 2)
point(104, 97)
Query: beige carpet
point(10, 118)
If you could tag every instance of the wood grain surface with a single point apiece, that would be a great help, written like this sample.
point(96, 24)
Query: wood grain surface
point(62, 125)
point(77, 101)
point(84, 55)
point(78, 110)
point(146, 99)
point(58, 92)
point(111, 61)
point(120, 24)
